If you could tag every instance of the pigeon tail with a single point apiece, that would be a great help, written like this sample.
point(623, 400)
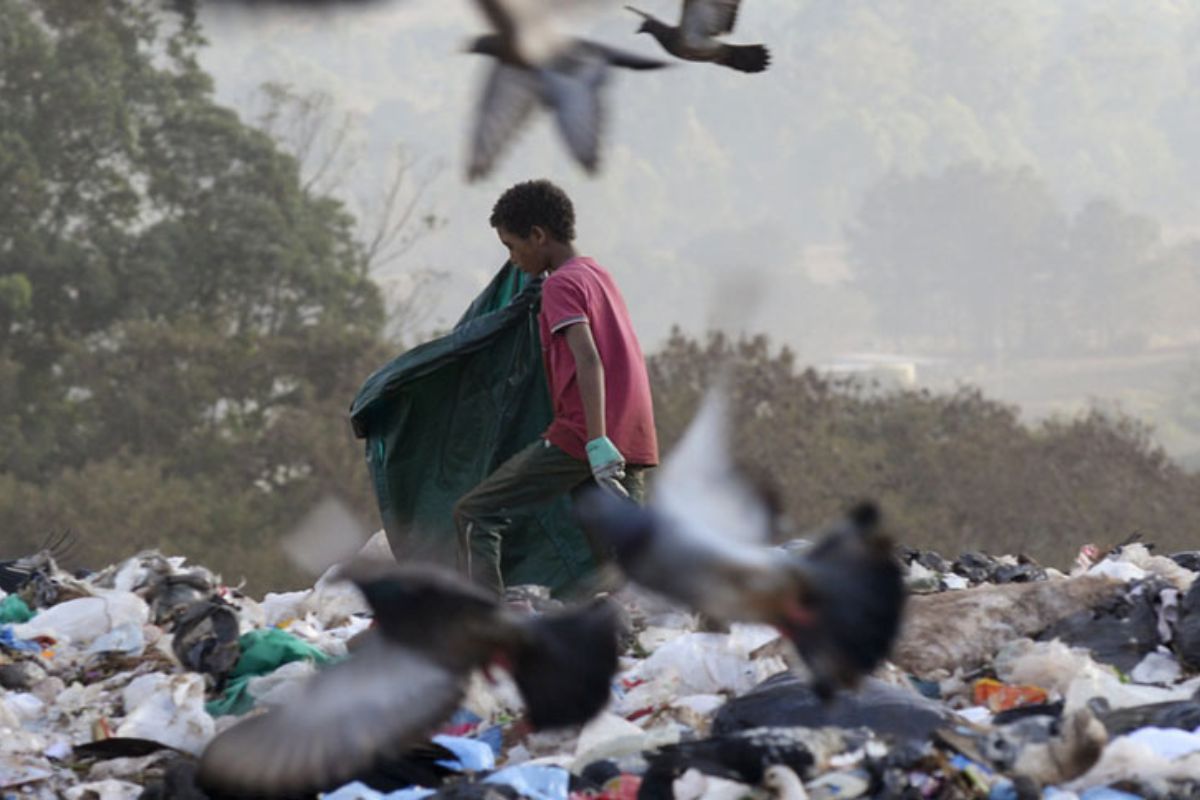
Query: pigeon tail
point(565, 668)
point(855, 591)
point(745, 57)
point(12, 578)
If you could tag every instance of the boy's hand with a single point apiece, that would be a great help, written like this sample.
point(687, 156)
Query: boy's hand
point(605, 459)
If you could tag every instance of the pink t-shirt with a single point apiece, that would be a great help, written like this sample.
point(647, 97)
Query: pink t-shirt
point(582, 291)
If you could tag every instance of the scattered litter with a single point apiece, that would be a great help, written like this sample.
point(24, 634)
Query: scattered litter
point(534, 781)
point(14, 609)
point(999, 696)
point(1010, 678)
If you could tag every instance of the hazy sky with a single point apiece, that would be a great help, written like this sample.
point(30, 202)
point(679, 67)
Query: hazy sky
point(723, 197)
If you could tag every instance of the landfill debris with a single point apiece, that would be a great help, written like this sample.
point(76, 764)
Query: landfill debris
point(14, 609)
point(998, 696)
point(106, 691)
point(963, 629)
point(434, 631)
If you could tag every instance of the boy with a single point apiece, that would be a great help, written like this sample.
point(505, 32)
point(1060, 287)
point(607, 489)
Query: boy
point(603, 425)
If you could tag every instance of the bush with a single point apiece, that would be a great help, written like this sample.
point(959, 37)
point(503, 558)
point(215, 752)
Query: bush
point(953, 471)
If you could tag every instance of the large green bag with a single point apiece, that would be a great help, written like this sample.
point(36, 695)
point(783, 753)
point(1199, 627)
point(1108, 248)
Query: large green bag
point(440, 417)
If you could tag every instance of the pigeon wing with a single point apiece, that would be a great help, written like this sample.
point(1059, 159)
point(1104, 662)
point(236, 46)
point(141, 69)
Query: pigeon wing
point(383, 698)
point(705, 18)
point(575, 93)
point(509, 98)
point(703, 491)
point(701, 540)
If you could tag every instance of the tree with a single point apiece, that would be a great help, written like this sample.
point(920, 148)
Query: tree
point(957, 258)
point(392, 216)
point(174, 301)
point(1107, 273)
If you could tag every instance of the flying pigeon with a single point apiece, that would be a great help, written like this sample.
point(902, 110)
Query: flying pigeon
point(693, 39)
point(537, 65)
point(432, 629)
point(702, 542)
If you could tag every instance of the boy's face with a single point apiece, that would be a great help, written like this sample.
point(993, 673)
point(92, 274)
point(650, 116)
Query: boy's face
point(527, 253)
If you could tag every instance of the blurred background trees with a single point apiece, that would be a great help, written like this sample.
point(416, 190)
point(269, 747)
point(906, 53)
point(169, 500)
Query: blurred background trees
point(187, 317)
point(188, 300)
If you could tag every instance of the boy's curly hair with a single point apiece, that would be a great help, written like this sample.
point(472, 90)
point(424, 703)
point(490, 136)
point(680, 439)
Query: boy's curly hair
point(532, 203)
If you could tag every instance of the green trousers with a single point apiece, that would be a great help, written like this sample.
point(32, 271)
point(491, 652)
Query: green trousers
point(535, 475)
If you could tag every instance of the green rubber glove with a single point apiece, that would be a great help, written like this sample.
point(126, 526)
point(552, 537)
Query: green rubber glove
point(605, 459)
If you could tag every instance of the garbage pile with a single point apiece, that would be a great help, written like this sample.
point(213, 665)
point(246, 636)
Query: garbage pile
point(1010, 680)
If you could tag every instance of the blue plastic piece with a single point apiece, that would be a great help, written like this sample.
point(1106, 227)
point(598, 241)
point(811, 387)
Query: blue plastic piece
point(536, 781)
point(494, 738)
point(360, 791)
point(1003, 790)
point(470, 755)
point(1108, 793)
point(9, 640)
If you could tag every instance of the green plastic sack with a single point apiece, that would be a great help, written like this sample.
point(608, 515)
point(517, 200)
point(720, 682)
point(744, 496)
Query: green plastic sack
point(14, 610)
point(440, 417)
point(263, 652)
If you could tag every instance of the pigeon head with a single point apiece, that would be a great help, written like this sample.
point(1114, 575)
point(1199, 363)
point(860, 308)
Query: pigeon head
point(647, 25)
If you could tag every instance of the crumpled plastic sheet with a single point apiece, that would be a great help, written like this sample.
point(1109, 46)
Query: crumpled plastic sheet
point(470, 755)
point(82, 621)
point(360, 791)
point(534, 781)
point(703, 663)
point(167, 709)
point(108, 789)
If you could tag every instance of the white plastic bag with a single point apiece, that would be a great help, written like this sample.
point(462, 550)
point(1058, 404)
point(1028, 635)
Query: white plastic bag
point(82, 621)
point(168, 709)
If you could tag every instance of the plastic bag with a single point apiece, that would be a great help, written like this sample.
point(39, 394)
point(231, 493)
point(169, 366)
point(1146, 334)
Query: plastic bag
point(82, 621)
point(167, 709)
point(534, 781)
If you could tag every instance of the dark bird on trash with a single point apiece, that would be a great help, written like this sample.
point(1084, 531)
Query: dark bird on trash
point(744, 756)
point(535, 65)
point(15, 573)
point(693, 38)
point(432, 630)
point(702, 542)
point(1034, 754)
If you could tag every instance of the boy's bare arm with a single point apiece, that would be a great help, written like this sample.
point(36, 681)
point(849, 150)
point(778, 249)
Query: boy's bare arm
point(589, 371)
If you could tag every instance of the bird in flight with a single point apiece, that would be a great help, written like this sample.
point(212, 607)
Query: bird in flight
point(694, 38)
point(432, 630)
point(702, 542)
point(536, 65)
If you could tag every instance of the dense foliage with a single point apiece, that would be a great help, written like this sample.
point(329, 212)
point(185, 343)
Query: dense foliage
point(183, 323)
